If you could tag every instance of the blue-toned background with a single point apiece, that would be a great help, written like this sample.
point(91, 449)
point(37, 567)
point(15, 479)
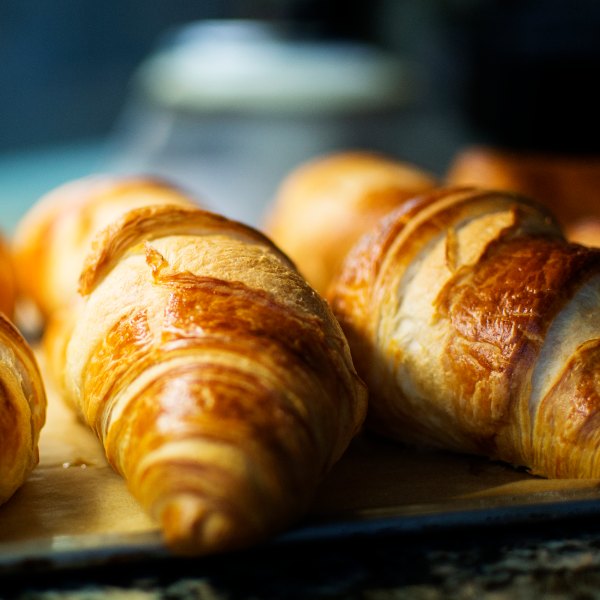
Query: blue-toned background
point(517, 74)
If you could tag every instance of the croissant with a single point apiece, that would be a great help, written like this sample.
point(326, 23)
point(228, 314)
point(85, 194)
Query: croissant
point(567, 185)
point(52, 239)
point(22, 409)
point(7, 280)
point(476, 327)
point(219, 383)
point(324, 205)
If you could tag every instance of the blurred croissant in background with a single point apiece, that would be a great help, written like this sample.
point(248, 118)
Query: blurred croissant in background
point(324, 205)
point(568, 185)
point(52, 239)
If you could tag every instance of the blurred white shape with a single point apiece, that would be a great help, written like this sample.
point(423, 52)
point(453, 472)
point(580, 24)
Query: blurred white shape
point(251, 66)
point(228, 108)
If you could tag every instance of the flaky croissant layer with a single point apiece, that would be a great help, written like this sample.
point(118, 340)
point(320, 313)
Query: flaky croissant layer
point(219, 382)
point(476, 327)
point(22, 409)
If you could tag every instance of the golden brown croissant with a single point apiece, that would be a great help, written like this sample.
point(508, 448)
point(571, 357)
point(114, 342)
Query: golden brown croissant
point(7, 280)
point(22, 409)
point(218, 381)
point(52, 239)
point(567, 185)
point(476, 327)
point(323, 207)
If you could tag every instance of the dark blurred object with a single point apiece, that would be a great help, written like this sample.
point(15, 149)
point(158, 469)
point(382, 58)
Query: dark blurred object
point(520, 73)
point(65, 67)
point(531, 101)
point(531, 69)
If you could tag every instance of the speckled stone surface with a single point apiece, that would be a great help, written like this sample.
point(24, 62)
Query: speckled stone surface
point(548, 561)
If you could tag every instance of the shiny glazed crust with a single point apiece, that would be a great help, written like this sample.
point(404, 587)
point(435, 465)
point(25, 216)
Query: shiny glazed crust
point(323, 207)
point(52, 239)
point(218, 381)
point(22, 409)
point(476, 327)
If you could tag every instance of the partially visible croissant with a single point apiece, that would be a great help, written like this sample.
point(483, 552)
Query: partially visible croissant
point(477, 328)
point(218, 381)
point(52, 239)
point(22, 409)
point(7, 280)
point(324, 206)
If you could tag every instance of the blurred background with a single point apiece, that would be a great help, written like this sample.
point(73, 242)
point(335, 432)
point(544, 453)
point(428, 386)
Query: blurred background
point(227, 96)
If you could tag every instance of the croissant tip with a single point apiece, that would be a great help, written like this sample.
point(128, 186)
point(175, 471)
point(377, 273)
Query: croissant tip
point(191, 527)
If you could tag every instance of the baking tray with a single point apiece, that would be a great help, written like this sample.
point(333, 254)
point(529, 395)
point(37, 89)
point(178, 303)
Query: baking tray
point(75, 511)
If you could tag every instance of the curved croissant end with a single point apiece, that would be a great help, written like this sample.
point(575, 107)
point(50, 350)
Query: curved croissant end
point(218, 381)
point(476, 327)
point(22, 409)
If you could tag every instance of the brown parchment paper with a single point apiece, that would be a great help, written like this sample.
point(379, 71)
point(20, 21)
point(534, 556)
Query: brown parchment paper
point(73, 491)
